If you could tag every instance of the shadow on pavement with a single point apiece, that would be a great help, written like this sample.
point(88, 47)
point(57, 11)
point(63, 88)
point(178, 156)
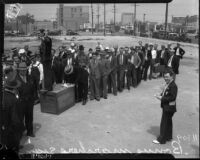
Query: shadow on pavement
point(154, 130)
point(196, 148)
point(36, 127)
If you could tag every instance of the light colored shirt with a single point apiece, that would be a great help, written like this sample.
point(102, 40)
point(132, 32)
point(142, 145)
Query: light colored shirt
point(177, 51)
point(162, 53)
point(170, 61)
point(154, 54)
point(40, 68)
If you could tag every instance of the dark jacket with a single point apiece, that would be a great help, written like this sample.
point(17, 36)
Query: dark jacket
point(113, 64)
point(45, 49)
point(104, 66)
point(168, 100)
point(175, 64)
point(11, 123)
point(181, 52)
point(26, 90)
point(125, 61)
point(94, 69)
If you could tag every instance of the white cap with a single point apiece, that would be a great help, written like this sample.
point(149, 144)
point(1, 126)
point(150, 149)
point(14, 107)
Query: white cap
point(107, 48)
point(21, 51)
point(72, 44)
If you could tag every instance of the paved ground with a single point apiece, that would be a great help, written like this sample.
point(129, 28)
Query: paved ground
point(129, 121)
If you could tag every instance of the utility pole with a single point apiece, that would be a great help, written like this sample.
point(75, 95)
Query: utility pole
point(166, 16)
point(144, 17)
point(92, 17)
point(98, 16)
point(135, 18)
point(114, 13)
point(104, 19)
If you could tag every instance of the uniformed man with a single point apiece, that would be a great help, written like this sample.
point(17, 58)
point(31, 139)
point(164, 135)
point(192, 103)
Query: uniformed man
point(46, 60)
point(23, 57)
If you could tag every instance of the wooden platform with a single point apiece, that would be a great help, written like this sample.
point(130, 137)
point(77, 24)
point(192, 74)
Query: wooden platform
point(58, 100)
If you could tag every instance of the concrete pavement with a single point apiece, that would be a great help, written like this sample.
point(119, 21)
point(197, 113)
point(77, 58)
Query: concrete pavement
point(126, 123)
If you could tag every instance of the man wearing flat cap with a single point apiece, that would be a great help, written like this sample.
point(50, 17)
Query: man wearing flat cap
point(11, 130)
point(46, 60)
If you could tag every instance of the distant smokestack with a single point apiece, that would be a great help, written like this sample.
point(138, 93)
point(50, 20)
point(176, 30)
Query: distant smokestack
point(61, 6)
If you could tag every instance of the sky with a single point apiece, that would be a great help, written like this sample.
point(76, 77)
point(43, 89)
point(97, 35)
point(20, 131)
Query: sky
point(155, 12)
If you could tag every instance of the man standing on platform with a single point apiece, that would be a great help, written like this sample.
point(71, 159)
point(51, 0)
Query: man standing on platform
point(46, 60)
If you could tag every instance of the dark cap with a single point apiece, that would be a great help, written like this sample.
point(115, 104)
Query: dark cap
point(42, 30)
point(13, 49)
point(81, 47)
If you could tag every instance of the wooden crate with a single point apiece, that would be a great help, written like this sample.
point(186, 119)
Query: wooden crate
point(58, 100)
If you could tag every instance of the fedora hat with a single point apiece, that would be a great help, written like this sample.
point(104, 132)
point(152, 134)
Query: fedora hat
point(22, 66)
point(14, 49)
point(7, 71)
point(68, 69)
point(12, 84)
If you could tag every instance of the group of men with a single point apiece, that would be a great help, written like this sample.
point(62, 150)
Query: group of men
point(96, 73)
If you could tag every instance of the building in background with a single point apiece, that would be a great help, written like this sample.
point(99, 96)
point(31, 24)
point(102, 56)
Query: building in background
point(127, 18)
point(189, 24)
point(72, 17)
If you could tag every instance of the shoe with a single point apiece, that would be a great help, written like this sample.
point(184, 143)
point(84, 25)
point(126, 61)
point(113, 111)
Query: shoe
point(105, 97)
point(156, 141)
point(91, 99)
point(98, 99)
point(169, 139)
point(31, 135)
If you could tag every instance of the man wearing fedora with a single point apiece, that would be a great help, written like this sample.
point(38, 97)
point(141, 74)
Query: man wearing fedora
point(82, 75)
point(46, 60)
point(122, 67)
point(11, 130)
point(26, 92)
point(94, 76)
point(112, 81)
point(179, 52)
point(104, 71)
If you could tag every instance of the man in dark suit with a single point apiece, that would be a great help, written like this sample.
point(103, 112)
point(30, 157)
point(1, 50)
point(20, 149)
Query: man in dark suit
point(122, 68)
point(112, 82)
point(26, 92)
point(104, 71)
point(11, 128)
point(82, 75)
point(179, 52)
point(94, 76)
point(168, 105)
point(46, 60)
point(173, 62)
point(147, 62)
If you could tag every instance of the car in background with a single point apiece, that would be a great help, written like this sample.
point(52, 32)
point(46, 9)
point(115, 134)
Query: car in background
point(70, 33)
point(143, 34)
point(173, 36)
